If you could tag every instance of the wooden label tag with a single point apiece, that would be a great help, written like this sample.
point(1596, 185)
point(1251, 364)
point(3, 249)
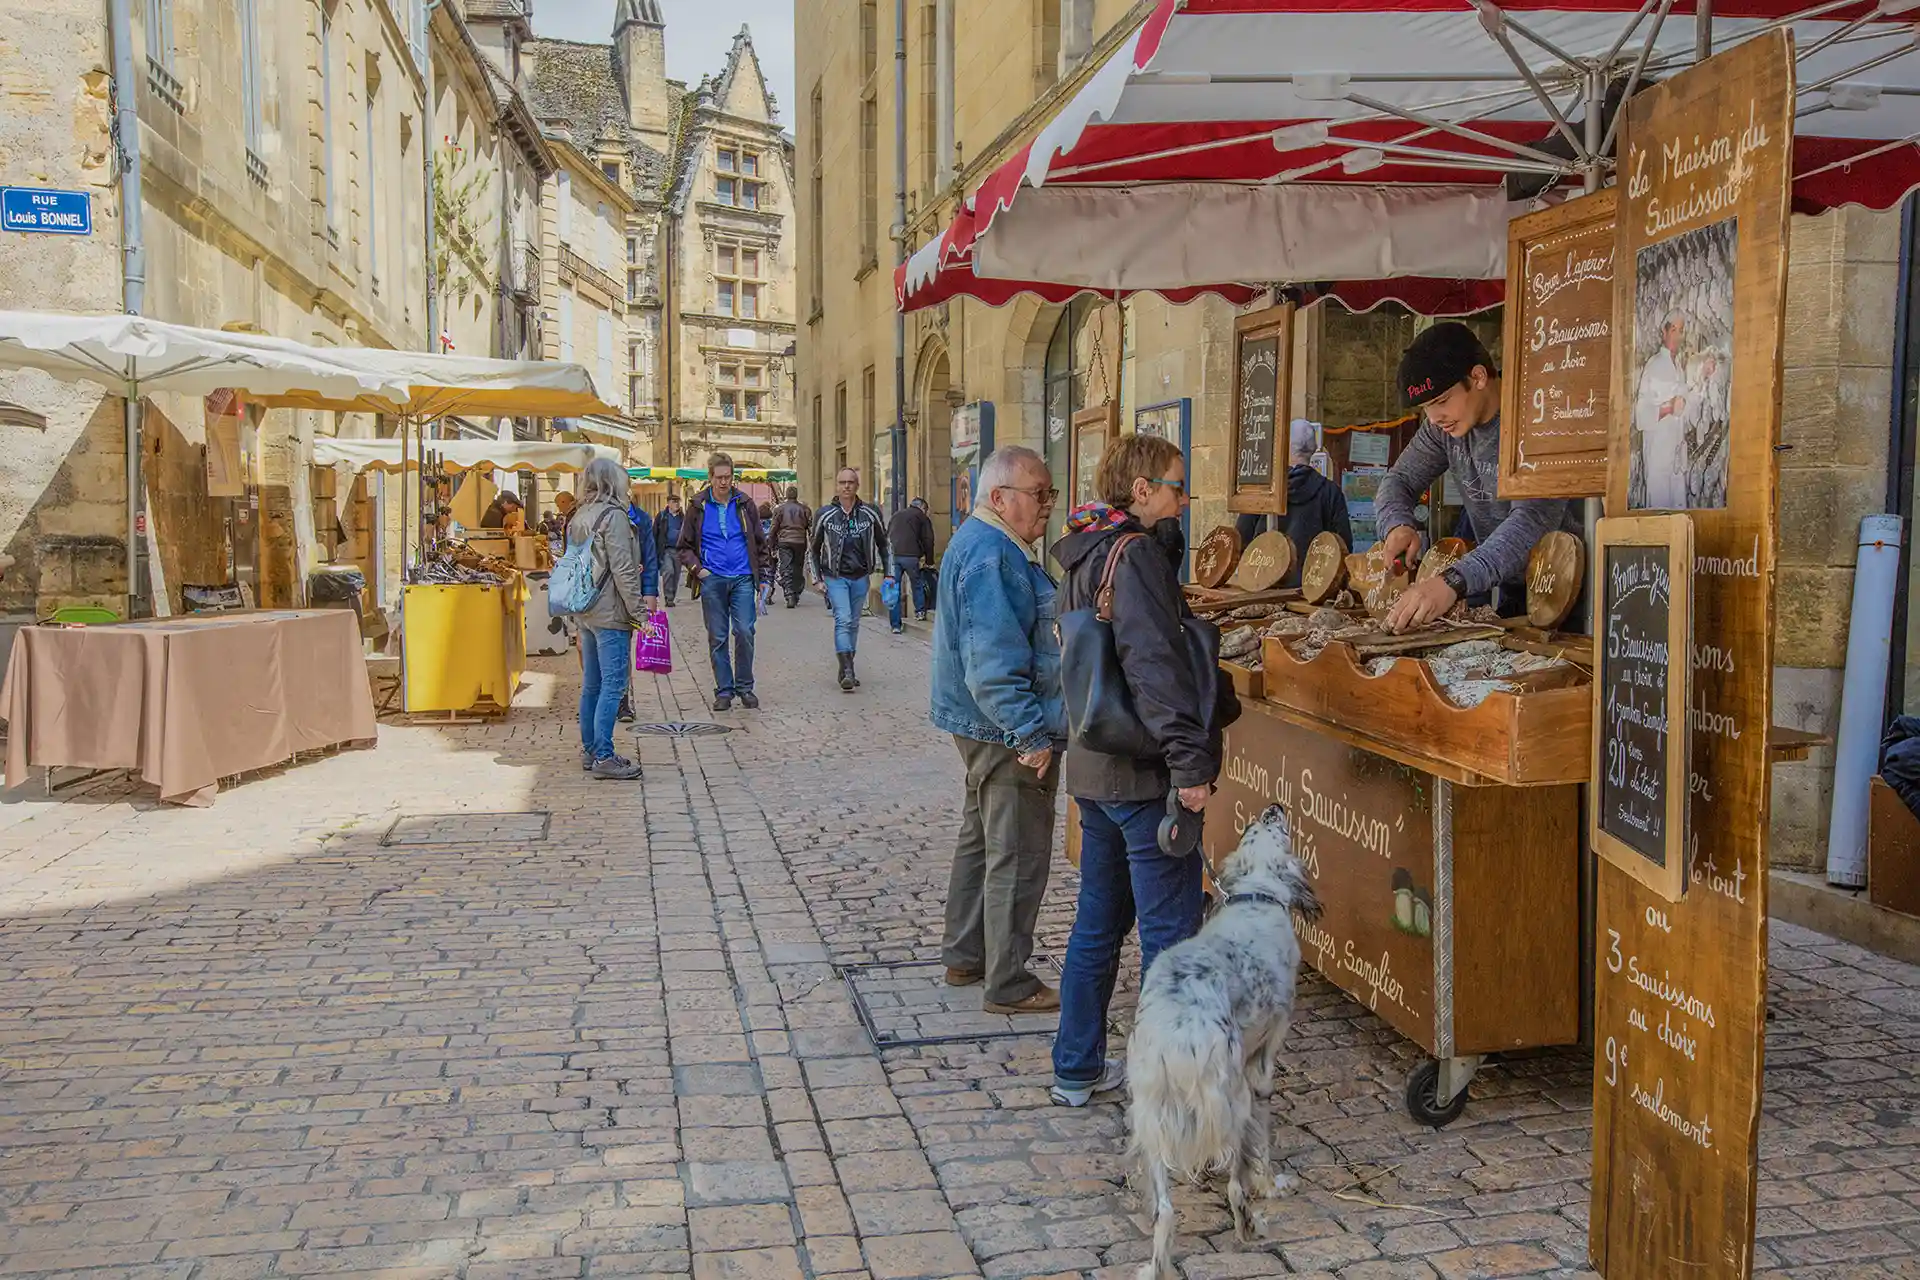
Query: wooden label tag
point(1555, 572)
point(1267, 560)
point(1375, 580)
point(1326, 569)
point(1217, 556)
point(1442, 556)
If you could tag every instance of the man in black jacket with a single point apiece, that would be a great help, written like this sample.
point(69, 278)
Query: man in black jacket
point(848, 546)
point(1314, 503)
point(792, 525)
point(910, 535)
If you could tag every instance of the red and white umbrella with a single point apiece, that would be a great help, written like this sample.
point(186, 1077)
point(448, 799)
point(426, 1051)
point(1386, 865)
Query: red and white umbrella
point(1375, 140)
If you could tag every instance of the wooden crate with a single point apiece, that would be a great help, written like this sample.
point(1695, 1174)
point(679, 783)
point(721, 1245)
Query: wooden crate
point(1534, 738)
point(1893, 852)
point(1247, 682)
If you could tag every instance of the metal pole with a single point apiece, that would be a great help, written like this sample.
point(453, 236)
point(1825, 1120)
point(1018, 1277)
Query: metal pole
point(426, 158)
point(900, 251)
point(133, 282)
point(1703, 30)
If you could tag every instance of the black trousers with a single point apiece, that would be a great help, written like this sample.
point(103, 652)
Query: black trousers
point(792, 571)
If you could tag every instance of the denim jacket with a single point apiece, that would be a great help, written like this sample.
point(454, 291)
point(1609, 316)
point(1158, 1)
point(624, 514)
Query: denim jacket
point(996, 654)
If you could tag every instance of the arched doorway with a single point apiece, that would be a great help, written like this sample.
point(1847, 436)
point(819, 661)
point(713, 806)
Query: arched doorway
point(932, 471)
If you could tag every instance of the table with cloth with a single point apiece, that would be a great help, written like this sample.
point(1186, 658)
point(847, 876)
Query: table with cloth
point(185, 701)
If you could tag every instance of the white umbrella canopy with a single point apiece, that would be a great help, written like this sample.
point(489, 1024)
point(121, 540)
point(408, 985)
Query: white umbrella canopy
point(133, 356)
point(463, 455)
point(434, 386)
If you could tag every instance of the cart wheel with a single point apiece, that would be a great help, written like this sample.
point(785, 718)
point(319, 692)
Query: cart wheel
point(1423, 1097)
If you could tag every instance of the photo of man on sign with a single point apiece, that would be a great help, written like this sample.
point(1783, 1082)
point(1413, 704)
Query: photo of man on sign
point(1683, 376)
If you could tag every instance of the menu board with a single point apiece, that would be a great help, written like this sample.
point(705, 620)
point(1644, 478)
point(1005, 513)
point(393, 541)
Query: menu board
point(1262, 391)
point(1559, 351)
point(1641, 648)
point(1679, 1001)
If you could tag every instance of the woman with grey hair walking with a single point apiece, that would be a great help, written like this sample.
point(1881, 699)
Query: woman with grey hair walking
point(626, 571)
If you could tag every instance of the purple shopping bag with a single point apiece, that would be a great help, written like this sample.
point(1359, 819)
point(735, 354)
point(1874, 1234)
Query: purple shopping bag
point(653, 647)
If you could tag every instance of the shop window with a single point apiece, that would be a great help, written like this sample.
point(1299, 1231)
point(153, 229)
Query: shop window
point(730, 405)
point(1065, 381)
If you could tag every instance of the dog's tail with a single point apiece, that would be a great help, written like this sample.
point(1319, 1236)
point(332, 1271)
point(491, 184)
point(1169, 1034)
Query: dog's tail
point(1190, 1099)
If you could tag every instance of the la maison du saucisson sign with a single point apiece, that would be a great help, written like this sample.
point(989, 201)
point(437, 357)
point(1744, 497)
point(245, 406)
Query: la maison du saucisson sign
point(1680, 987)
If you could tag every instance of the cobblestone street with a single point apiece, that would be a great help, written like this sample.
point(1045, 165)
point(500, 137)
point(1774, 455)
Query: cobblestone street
point(315, 1029)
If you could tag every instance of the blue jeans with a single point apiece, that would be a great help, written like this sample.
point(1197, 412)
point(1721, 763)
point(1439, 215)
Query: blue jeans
point(606, 658)
point(727, 604)
point(907, 569)
point(847, 596)
point(1122, 874)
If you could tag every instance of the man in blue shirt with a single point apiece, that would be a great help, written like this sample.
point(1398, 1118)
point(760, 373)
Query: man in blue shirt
point(721, 547)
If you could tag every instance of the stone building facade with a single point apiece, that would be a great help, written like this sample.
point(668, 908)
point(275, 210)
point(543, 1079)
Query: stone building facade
point(285, 150)
point(979, 88)
point(704, 313)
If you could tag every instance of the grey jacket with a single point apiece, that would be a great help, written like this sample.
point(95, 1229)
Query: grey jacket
point(1505, 531)
point(616, 561)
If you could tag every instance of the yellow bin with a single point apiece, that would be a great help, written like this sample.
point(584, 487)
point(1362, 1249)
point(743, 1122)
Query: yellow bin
point(466, 645)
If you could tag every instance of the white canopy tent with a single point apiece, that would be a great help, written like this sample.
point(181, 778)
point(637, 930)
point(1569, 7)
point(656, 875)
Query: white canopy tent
point(463, 455)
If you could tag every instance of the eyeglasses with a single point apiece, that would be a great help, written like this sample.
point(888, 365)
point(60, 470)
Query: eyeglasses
point(1043, 496)
point(1179, 485)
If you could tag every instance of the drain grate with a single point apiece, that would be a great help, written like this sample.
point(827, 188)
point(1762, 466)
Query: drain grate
point(910, 1004)
point(682, 729)
point(411, 830)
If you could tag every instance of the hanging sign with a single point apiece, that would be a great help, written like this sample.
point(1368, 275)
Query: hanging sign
point(1555, 415)
point(1679, 1011)
point(46, 212)
point(1262, 390)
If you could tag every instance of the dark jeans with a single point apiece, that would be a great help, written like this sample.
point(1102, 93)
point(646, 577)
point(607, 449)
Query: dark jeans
point(907, 569)
point(793, 573)
point(1000, 868)
point(727, 604)
point(1123, 874)
point(606, 664)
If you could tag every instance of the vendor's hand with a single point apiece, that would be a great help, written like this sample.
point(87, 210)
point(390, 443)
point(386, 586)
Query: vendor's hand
point(1402, 546)
point(1038, 760)
point(1421, 604)
point(1195, 798)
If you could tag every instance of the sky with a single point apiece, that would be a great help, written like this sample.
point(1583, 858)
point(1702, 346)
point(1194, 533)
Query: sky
point(699, 34)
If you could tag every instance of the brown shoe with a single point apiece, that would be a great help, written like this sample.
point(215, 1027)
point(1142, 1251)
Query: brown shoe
point(1045, 1000)
point(963, 977)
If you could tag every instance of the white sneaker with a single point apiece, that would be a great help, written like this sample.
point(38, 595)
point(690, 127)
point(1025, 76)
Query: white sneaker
point(1113, 1076)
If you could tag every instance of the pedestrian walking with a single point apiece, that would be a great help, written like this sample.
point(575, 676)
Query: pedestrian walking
point(721, 549)
point(792, 522)
point(849, 546)
point(910, 537)
point(996, 689)
point(1130, 538)
point(666, 538)
point(642, 523)
point(628, 578)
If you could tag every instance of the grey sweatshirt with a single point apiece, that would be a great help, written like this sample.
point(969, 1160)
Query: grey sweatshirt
point(1505, 532)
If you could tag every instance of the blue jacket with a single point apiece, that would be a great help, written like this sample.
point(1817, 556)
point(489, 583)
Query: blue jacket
point(996, 654)
point(649, 551)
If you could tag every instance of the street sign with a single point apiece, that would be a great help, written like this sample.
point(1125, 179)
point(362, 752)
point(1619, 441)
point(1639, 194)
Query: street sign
point(36, 209)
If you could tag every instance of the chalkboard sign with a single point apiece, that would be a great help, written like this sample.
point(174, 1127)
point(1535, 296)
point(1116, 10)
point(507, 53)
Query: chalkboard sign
point(1643, 656)
point(1555, 423)
point(1262, 394)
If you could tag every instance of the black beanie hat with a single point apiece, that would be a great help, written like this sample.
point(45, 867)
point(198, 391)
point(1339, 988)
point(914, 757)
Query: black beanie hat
point(1440, 358)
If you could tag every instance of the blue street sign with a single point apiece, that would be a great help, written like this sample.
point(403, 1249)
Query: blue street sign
point(59, 213)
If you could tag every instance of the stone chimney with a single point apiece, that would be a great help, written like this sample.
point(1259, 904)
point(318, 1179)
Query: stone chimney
point(640, 55)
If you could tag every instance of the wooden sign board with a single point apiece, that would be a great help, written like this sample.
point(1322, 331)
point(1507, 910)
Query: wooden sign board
point(1265, 562)
point(1644, 571)
point(1325, 571)
point(1680, 987)
point(1555, 398)
point(1217, 557)
point(1262, 394)
point(1555, 572)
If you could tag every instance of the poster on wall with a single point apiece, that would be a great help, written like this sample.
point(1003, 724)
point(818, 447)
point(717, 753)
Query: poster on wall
point(1679, 1000)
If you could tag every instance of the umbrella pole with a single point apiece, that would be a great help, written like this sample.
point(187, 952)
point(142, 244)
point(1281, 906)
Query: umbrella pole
point(1703, 30)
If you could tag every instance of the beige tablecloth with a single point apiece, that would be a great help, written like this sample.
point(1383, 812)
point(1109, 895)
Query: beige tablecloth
point(185, 701)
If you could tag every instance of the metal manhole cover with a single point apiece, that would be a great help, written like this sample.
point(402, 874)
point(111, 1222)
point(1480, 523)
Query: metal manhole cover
point(683, 729)
point(413, 829)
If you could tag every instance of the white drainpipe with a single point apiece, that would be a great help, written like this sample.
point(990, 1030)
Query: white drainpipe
point(1864, 698)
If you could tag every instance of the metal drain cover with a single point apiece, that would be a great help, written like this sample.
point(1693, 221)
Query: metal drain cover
point(683, 729)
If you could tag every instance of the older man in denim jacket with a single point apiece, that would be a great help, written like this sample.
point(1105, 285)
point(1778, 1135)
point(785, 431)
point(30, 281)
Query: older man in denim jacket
point(996, 689)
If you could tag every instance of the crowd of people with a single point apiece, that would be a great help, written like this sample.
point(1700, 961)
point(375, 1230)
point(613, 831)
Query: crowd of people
point(998, 683)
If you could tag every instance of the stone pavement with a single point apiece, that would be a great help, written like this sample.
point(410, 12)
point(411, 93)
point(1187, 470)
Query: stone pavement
point(293, 1035)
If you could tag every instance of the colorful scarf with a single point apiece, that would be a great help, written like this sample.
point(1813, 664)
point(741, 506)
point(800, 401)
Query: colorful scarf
point(1092, 515)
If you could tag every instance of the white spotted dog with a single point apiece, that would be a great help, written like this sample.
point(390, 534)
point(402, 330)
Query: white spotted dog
point(1212, 1013)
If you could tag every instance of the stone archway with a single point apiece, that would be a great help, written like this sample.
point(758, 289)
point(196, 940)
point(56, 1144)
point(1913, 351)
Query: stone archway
point(930, 474)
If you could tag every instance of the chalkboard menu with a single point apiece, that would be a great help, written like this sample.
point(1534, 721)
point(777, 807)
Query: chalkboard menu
point(1262, 391)
point(1554, 422)
point(1642, 651)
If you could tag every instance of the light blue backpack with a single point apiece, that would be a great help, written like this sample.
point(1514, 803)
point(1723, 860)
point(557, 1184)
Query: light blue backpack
point(571, 589)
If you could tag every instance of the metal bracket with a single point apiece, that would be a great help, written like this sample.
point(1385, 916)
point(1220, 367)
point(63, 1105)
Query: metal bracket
point(1455, 1075)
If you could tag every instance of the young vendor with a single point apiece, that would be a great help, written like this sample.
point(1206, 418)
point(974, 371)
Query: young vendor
point(1448, 375)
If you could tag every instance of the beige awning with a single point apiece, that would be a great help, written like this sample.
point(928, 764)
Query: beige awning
point(461, 455)
point(440, 385)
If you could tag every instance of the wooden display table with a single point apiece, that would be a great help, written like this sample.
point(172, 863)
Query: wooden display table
point(1452, 902)
point(465, 645)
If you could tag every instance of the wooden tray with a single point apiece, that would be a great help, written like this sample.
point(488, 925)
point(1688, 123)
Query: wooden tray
point(1247, 682)
point(1522, 739)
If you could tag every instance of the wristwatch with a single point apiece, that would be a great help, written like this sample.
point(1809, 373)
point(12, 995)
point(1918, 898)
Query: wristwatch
point(1452, 576)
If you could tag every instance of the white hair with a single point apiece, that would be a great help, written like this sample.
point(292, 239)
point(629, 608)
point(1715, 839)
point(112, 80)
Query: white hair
point(1003, 467)
point(1305, 438)
point(604, 481)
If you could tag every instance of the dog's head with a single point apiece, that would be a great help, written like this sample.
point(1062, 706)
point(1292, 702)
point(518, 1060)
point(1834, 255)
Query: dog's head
point(1264, 863)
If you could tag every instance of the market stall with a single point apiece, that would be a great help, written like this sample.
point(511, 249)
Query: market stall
point(465, 606)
